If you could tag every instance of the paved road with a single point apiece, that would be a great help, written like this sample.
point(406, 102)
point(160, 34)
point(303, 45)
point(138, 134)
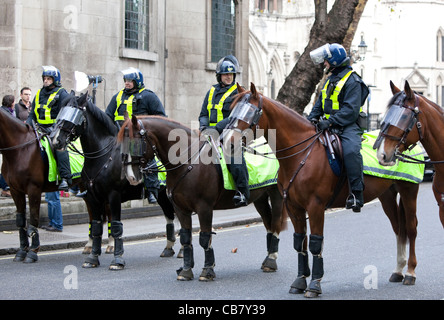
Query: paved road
point(359, 256)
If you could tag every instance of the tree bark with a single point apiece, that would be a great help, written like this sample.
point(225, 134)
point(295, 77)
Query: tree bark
point(337, 26)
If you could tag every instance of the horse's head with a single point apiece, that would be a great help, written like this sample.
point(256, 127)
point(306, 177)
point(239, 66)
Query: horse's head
point(69, 121)
point(135, 154)
point(396, 133)
point(244, 118)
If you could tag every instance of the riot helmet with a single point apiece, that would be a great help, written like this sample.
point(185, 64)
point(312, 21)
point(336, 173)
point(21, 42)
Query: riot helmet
point(135, 75)
point(334, 53)
point(54, 73)
point(227, 64)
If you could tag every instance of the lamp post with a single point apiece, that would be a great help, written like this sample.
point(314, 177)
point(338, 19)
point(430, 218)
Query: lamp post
point(359, 55)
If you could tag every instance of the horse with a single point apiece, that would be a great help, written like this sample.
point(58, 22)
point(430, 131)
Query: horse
point(25, 168)
point(105, 185)
point(309, 186)
point(196, 186)
point(407, 111)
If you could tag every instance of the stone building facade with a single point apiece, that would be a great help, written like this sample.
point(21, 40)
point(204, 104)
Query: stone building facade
point(173, 42)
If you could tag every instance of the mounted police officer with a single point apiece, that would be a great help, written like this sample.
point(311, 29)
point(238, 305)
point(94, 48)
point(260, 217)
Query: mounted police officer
point(138, 100)
point(338, 108)
point(44, 110)
point(215, 114)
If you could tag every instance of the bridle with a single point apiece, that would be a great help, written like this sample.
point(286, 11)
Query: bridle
point(400, 104)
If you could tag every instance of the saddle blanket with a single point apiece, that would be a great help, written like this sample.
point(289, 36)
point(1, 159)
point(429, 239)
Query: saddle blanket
point(411, 172)
point(262, 170)
point(75, 160)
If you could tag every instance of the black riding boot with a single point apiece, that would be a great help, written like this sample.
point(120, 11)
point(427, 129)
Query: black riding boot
point(152, 184)
point(64, 169)
point(239, 172)
point(355, 201)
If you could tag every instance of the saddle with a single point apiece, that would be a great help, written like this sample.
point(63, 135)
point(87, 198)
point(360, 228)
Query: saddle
point(333, 147)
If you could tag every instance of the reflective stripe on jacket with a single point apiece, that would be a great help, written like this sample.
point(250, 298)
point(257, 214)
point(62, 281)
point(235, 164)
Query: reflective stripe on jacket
point(334, 95)
point(129, 105)
point(218, 107)
point(46, 108)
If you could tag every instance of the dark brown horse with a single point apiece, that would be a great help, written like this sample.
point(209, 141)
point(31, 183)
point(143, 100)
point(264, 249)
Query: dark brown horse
point(412, 118)
point(107, 188)
point(25, 168)
point(308, 184)
point(196, 186)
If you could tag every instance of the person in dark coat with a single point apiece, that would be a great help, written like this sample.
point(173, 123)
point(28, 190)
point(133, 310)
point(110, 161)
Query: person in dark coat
point(338, 108)
point(135, 99)
point(215, 114)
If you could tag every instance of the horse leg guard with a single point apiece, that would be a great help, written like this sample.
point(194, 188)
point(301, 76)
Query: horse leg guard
point(20, 220)
point(300, 284)
point(31, 256)
point(208, 270)
point(118, 262)
point(315, 246)
point(269, 264)
point(171, 239)
point(185, 273)
point(92, 260)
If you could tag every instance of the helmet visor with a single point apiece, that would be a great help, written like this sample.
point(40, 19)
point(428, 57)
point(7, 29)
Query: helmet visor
point(399, 117)
point(71, 114)
point(320, 54)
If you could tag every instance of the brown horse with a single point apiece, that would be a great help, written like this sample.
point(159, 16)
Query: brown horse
point(196, 186)
point(25, 169)
point(411, 118)
point(308, 184)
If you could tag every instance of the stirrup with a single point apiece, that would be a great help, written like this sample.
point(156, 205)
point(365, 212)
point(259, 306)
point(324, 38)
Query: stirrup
point(240, 200)
point(63, 186)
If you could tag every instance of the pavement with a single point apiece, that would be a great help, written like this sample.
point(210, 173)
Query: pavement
point(76, 235)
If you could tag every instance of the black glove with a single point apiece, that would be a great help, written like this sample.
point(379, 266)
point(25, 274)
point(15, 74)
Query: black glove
point(322, 125)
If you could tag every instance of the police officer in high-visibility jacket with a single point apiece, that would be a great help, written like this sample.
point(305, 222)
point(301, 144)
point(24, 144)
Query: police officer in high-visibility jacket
point(338, 108)
point(214, 114)
point(44, 110)
point(135, 99)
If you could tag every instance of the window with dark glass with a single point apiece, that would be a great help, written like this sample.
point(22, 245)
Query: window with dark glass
point(136, 24)
point(223, 27)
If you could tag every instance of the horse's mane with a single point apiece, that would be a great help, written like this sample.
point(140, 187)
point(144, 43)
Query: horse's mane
point(431, 103)
point(240, 95)
point(127, 123)
point(102, 117)
point(17, 121)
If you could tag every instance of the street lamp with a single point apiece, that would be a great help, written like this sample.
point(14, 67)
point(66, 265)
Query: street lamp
point(359, 55)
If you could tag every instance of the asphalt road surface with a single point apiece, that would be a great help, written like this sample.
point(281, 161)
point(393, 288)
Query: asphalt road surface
point(359, 257)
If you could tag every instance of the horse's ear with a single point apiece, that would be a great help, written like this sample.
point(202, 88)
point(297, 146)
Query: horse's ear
point(125, 115)
point(253, 89)
point(134, 120)
point(408, 91)
point(394, 88)
point(240, 89)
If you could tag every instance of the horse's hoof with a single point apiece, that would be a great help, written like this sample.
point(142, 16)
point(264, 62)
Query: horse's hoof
point(117, 264)
point(314, 289)
point(109, 249)
point(87, 250)
point(396, 277)
point(88, 265)
point(207, 274)
point(311, 294)
point(91, 261)
point(185, 275)
point(20, 256)
point(269, 265)
point(298, 286)
point(116, 267)
point(31, 257)
point(409, 280)
point(180, 254)
point(167, 252)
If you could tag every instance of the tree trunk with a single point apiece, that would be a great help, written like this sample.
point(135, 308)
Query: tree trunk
point(337, 26)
